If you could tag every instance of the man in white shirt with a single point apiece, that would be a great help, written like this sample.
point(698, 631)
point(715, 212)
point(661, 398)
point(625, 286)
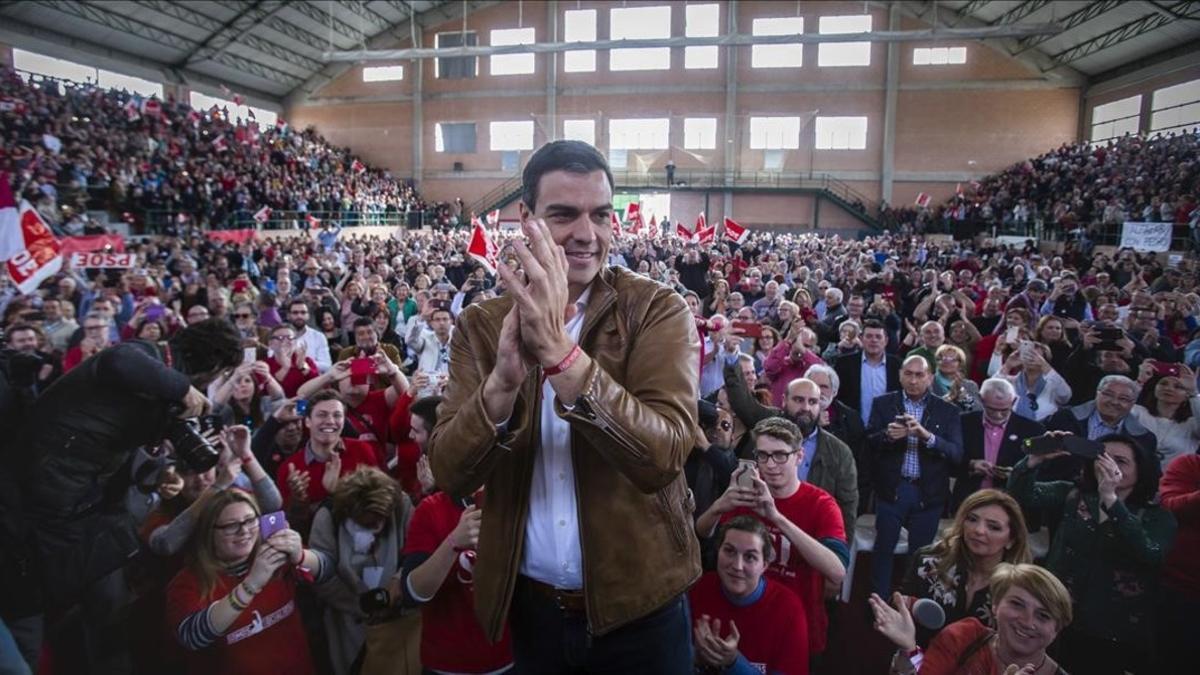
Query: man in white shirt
point(429, 341)
point(316, 343)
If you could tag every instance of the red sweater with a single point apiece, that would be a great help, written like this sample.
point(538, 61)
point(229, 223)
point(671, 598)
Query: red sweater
point(354, 454)
point(1179, 492)
point(773, 630)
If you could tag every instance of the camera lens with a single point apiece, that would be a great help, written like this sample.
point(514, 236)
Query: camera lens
point(190, 446)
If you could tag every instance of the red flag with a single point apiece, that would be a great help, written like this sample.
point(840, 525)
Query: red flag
point(219, 144)
point(682, 232)
point(482, 248)
point(923, 200)
point(616, 225)
point(357, 166)
point(131, 111)
point(635, 228)
point(151, 107)
point(92, 242)
point(632, 209)
point(32, 252)
point(493, 217)
point(280, 125)
point(701, 223)
point(312, 220)
point(735, 232)
point(262, 215)
point(707, 235)
point(193, 117)
point(653, 225)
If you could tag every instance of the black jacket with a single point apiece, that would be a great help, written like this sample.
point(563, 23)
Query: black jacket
point(78, 438)
point(1015, 432)
point(937, 463)
point(849, 370)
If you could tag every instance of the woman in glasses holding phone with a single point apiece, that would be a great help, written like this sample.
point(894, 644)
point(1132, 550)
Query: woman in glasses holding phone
point(233, 608)
point(1170, 408)
point(1109, 550)
point(1041, 391)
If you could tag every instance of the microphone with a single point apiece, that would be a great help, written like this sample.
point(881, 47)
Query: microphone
point(928, 613)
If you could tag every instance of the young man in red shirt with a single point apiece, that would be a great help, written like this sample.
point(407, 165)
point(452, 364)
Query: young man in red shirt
point(439, 574)
point(308, 476)
point(368, 411)
point(804, 522)
point(743, 622)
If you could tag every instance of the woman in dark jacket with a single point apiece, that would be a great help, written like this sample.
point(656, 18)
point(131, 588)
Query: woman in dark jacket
point(1109, 551)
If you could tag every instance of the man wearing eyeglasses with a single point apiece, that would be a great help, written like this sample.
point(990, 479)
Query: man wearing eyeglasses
point(992, 439)
point(1108, 413)
point(803, 520)
point(429, 341)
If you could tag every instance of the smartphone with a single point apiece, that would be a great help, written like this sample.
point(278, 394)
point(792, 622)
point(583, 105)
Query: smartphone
point(211, 423)
point(155, 312)
point(1110, 334)
point(271, 523)
point(1082, 447)
point(1026, 350)
point(1164, 369)
point(302, 407)
point(360, 370)
point(902, 420)
point(249, 354)
point(1011, 335)
point(750, 329)
point(745, 474)
point(1042, 445)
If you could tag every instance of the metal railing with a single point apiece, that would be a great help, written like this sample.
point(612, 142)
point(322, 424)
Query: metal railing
point(156, 220)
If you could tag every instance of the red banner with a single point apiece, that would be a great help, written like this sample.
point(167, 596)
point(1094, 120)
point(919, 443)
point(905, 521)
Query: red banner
point(235, 236)
point(93, 242)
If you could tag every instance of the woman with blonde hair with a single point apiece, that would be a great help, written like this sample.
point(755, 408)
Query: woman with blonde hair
point(361, 530)
point(233, 608)
point(950, 380)
point(955, 571)
point(1032, 607)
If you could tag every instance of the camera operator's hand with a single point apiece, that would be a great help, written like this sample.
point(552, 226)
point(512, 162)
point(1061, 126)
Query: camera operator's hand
point(466, 533)
point(170, 484)
point(194, 404)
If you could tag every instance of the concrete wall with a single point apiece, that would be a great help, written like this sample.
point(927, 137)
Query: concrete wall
point(953, 123)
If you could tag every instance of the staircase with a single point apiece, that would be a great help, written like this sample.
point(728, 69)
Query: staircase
point(822, 186)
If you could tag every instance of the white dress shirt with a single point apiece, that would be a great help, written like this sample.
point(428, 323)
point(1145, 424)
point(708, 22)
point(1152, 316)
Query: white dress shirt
point(552, 552)
point(318, 348)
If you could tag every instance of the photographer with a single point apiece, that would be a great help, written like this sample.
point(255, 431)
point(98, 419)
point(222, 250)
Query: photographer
point(360, 529)
point(68, 479)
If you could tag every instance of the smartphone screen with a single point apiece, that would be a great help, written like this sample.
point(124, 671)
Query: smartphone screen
point(1011, 336)
point(1041, 445)
point(302, 407)
point(271, 523)
point(249, 354)
point(745, 473)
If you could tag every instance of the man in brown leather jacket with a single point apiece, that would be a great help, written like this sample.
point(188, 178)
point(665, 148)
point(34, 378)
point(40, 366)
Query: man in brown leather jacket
point(572, 401)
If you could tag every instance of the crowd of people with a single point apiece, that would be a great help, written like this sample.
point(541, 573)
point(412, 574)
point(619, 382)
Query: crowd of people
point(306, 499)
point(163, 163)
point(1079, 190)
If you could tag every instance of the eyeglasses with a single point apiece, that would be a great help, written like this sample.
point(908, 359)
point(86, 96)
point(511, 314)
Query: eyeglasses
point(243, 316)
point(778, 456)
point(282, 338)
point(94, 327)
point(236, 528)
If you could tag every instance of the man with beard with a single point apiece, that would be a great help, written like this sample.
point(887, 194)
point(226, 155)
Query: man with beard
point(316, 344)
point(828, 462)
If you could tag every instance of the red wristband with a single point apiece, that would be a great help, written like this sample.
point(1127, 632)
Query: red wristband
point(567, 361)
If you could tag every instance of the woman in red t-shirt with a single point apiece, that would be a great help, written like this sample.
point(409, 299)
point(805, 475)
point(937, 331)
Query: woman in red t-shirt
point(233, 607)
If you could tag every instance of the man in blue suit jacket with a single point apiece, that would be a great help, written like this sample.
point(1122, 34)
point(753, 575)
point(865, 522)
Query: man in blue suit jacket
point(915, 439)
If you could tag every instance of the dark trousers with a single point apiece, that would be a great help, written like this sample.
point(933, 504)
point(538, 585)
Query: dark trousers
point(906, 511)
point(549, 641)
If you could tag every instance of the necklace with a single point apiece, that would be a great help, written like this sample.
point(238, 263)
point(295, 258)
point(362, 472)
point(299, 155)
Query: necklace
point(1007, 662)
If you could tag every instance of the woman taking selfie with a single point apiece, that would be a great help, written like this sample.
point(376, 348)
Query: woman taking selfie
point(956, 571)
point(1109, 551)
point(1031, 608)
point(233, 608)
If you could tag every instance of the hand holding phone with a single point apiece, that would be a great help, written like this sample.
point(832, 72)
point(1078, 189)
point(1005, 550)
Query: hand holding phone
point(744, 475)
point(271, 523)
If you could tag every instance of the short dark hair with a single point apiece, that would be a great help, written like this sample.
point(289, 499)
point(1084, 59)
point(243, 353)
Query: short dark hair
point(207, 346)
point(572, 156)
point(296, 301)
point(18, 327)
point(426, 408)
point(751, 525)
point(364, 322)
point(321, 397)
point(874, 323)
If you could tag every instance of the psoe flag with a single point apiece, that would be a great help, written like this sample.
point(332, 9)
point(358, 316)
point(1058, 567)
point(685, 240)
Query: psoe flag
point(30, 249)
point(735, 232)
point(482, 248)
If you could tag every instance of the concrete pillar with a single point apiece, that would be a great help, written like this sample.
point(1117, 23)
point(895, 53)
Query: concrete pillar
point(733, 126)
point(417, 68)
point(891, 87)
point(552, 30)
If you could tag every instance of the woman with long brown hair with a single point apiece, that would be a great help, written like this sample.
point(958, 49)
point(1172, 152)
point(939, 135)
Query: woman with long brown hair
point(955, 571)
point(233, 607)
